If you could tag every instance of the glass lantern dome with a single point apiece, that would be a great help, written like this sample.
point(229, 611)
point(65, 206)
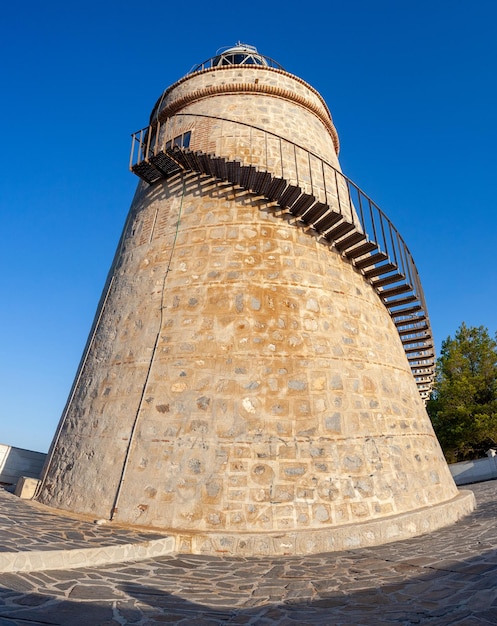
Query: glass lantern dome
point(240, 54)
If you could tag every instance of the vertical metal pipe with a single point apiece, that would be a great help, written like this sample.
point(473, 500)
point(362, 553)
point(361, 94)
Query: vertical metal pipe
point(324, 184)
point(350, 201)
point(361, 211)
point(310, 172)
point(265, 148)
point(373, 221)
point(149, 137)
point(392, 242)
point(133, 140)
point(157, 136)
point(296, 166)
point(383, 233)
point(338, 193)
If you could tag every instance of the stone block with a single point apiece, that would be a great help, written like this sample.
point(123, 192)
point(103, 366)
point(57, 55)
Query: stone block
point(26, 487)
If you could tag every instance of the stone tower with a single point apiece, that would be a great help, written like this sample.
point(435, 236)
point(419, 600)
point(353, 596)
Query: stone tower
point(255, 376)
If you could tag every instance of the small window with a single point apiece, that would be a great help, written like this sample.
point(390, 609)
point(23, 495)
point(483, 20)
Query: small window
point(186, 139)
point(182, 141)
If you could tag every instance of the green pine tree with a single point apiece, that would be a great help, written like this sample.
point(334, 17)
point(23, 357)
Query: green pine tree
point(463, 405)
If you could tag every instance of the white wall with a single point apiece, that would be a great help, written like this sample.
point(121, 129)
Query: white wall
point(474, 471)
point(17, 462)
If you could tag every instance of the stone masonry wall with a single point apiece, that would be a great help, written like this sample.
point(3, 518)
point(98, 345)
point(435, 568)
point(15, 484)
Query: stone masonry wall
point(277, 397)
point(243, 378)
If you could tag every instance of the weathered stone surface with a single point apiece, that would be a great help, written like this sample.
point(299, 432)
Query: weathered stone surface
point(446, 577)
point(242, 378)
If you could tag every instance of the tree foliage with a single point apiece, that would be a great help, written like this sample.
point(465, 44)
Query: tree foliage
point(463, 404)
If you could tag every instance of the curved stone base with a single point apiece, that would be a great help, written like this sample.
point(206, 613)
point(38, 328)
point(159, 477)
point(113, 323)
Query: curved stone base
point(346, 537)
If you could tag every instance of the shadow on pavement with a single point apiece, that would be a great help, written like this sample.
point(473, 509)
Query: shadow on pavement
point(463, 593)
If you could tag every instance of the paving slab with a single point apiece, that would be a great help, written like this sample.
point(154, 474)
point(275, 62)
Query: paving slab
point(33, 538)
point(446, 578)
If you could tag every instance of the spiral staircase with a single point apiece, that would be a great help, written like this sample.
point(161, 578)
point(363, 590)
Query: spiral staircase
point(334, 209)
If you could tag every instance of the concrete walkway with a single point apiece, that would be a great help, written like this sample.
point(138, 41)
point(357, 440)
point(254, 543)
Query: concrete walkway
point(446, 578)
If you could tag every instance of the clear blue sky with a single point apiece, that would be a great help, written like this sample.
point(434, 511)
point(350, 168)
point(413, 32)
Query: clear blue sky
point(412, 88)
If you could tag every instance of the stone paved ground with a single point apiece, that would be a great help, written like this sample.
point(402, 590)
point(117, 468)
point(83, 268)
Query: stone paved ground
point(26, 526)
point(447, 578)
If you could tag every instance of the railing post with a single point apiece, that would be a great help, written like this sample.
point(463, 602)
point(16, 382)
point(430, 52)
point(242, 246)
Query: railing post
point(405, 262)
point(310, 172)
point(350, 201)
point(296, 166)
point(373, 221)
point(157, 135)
point(338, 193)
point(250, 142)
point(149, 137)
point(361, 211)
point(141, 146)
point(265, 148)
point(324, 184)
point(132, 151)
point(392, 242)
point(383, 233)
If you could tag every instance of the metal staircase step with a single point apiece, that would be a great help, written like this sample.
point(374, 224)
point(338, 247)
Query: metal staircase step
point(146, 172)
point(302, 204)
point(415, 341)
point(414, 349)
point(191, 159)
point(315, 213)
point(405, 312)
point(234, 173)
point(164, 164)
point(251, 177)
point(350, 241)
point(245, 175)
point(374, 259)
point(394, 291)
point(417, 352)
point(426, 339)
point(401, 301)
point(420, 321)
point(289, 196)
point(429, 369)
point(422, 368)
point(338, 231)
point(179, 156)
point(223, 169)
point(412, 331)
point(327, 221)
point(388, 280)
point(215, 167)
point(261, 182)
point(275, 189)
point(399, 323)
point(365, 248)
point(416, 361)
point(422, 377)
point(379, 270)
point(205, 163)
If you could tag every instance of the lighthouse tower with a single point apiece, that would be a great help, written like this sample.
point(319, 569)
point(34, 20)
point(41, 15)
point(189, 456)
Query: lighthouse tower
point(254, 380)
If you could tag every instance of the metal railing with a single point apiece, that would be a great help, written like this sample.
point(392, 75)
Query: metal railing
point(298, 166)
point(315, 194)
point(223, 58)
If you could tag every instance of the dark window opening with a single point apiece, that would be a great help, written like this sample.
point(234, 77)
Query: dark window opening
point(182, 141)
